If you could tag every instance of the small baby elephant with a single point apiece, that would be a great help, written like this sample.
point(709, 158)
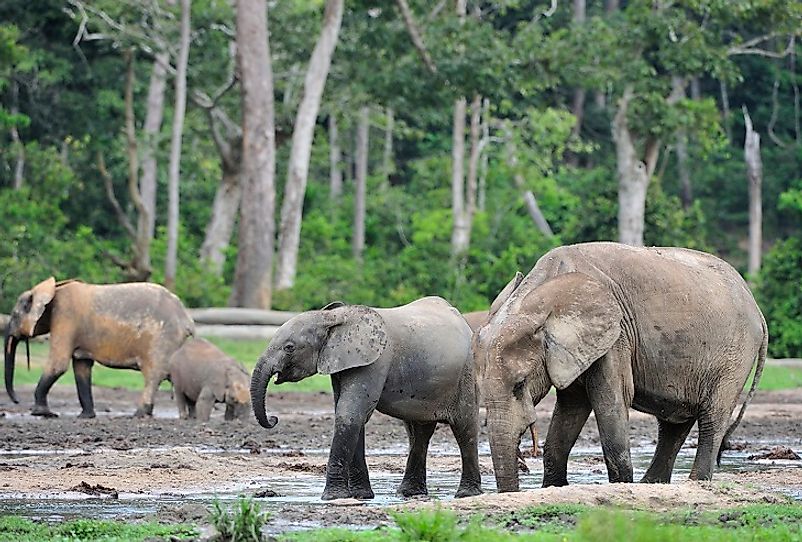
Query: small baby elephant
point(203, 375)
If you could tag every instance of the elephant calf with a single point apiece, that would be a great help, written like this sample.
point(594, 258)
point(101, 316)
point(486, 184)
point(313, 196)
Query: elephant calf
point(412, 362)
point(203, 375)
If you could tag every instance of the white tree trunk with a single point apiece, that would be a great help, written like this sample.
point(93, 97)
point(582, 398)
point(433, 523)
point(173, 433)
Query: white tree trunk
point(154, 115)
point(754, 172)
point(175, 148)
point(335, 160)
point(532, 208)
point(483, 165)
point(361, 181)
point(303, 132)
point(19, 147)
point(387, 158)
point(460, 233)
point(221, 224)
point(633, 179)
point(473, 161)
point(252, 276)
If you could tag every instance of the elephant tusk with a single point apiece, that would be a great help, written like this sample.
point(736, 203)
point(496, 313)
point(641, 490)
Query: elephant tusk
point(533, 432)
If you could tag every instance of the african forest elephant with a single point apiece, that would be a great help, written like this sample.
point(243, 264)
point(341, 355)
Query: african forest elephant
point(203, 375)
point(475, 319)
point(668, 331)
point(124, 326)
point(412, 362)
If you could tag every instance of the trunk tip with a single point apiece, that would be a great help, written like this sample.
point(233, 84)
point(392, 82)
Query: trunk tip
point(269, 423)
point(13, 396)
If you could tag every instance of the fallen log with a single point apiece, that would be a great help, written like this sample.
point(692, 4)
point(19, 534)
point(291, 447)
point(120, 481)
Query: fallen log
point(237, 332)
point(238, 316)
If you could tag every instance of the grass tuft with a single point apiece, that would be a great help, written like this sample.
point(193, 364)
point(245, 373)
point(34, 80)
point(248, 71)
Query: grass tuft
point(242, 524)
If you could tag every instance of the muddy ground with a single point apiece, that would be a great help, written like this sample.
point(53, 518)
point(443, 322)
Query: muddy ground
point(116, 466)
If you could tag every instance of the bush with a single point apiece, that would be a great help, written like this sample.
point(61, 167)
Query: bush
point(243, 524)
point(779, 292)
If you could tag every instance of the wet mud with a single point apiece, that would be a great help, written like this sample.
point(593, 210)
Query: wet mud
point(117, 466)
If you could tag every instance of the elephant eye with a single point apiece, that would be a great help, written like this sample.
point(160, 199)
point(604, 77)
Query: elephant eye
point(289, 347)
point(518, 389)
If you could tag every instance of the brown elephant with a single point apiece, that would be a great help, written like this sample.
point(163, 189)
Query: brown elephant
point(203, 375)
point(476, 319)
point(668, 331)
point(123, 326)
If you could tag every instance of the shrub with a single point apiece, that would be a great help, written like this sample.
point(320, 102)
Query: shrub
point(243, 524)
point(779, 291)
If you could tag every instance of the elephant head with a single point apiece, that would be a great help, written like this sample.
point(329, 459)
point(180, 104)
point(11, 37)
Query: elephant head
point(325, 341)
point(237, 395)
point(29, 318)
point(541, 333)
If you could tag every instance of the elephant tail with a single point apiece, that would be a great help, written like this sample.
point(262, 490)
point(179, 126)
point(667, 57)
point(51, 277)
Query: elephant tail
point(760, 363)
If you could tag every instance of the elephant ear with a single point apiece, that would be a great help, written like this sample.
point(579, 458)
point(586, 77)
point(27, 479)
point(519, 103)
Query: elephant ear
point(357, 337)
point(583, 324)
point(41, 295)
point(505, 293)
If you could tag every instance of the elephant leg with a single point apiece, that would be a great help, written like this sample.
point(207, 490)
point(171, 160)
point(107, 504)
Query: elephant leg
point(669, 440)
point(358, 477)
point(466, 434)
point(358, 392)
point(182, 404)
point(712, 426)
point(191, 409)
point(414, 482)
point(204, 405)
point(153, 377)
point(57, 364)
point(570, 414)
point(82, 368)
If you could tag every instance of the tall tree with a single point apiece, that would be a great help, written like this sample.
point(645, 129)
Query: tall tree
point(461, 229)
point(361, 178)
point(303, 133)
point(175, 147)
point(754, 174)
point(252, 276)
point(335, 160)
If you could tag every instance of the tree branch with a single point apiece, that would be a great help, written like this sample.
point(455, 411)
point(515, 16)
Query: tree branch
point(130, 136)
point(748, 48)
point(415, 35)
point(118, 210)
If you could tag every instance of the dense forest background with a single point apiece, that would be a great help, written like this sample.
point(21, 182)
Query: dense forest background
point(446, 145)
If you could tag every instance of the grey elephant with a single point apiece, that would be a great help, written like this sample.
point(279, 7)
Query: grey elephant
point(203, 375)
point(123, 326)
point(411, 362)
point(667, 331)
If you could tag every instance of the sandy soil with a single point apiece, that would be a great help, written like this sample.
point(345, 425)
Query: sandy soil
point(120, 466)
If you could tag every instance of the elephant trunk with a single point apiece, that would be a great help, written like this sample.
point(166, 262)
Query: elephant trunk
point(503, 448)
point(262, 374)
point(10, 350)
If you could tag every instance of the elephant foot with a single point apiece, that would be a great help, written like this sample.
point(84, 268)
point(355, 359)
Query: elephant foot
point(145, 411)
point(649, 479)
point(469, 491)
point(44, 411)
point(408, 490)
point(86, 414)
point(330, 494)
point(362, 493)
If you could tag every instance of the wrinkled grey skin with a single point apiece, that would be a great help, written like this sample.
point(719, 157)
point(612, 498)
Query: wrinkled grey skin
point(126, 326)
point(667, 331)
point(203, 375)
point(412, 362)
point(476, 319)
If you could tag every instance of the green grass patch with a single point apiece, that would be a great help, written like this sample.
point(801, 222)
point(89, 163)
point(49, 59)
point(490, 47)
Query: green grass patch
point(780, 377)
point(90, 530)
point(246, 352)
point(764, 523)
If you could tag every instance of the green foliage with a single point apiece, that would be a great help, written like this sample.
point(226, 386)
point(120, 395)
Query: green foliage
point(779, 291)
point(434, 525)
point(90, 530)
point(242, 524)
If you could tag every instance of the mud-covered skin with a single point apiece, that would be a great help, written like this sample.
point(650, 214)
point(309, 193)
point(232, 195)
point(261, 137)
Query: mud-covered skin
point(669, 332)
point(203, 375)
point(412, 362)
point(126, 326)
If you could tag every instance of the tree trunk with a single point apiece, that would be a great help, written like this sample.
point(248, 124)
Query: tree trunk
point(252, 276)
point(19, 147)
point(361, 182)
point(335, 160)
point(175, 147)
point(683, 169)
point(754, 172)
point(578, 102)
point(473, 160)
point(483, 165)
point(633, 180)
point(725, 109)
point(460, 234)
point(532, 208)
point(154, 114)
point(221, 224)
point(298, 167)
point(387, 158)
